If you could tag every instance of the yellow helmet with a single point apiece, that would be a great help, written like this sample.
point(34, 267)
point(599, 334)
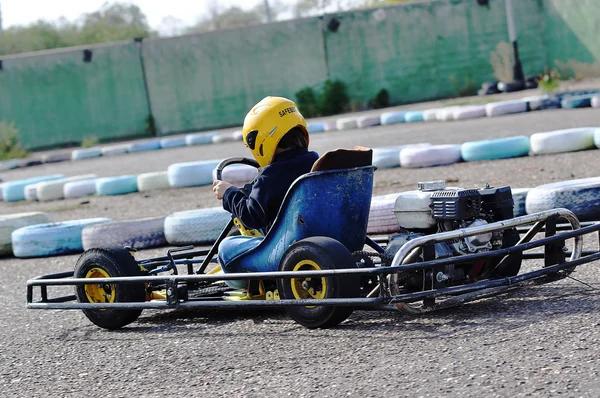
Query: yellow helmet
point(267, 123)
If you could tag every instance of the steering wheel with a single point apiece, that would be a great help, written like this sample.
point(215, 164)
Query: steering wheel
point(235, 160)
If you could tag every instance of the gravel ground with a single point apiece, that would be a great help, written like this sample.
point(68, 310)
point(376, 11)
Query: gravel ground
point(534, 342)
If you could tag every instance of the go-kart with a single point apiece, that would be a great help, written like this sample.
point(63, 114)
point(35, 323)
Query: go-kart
point(454, 246)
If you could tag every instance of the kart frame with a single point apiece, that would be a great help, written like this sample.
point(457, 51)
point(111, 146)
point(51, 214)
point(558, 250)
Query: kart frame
point(554, 255)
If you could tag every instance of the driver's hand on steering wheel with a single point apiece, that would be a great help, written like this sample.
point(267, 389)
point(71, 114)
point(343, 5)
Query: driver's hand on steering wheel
point(219, 188)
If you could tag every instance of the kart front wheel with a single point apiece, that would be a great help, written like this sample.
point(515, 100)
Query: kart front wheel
point(314, 254)
point(107, 263)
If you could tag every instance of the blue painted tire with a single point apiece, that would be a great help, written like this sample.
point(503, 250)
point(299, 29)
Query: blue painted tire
point(581, 196)
point(191, 174)
point(519, 196)
point(577, 101)
point(316, 128)
point(387, 118)
point(502, 148)
point(200, 138)
point(51, 239)
point(12, 222)
point(411, 117)
point(143, 146)
point(116, 185)
point(14, 191)
point(173, 142)
point(195, 226)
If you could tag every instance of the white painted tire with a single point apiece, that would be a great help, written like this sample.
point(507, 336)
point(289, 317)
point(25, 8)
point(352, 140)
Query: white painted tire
point(597, 138)
point(51, 239)
point(330, 125)
point(120, 185)
point(31, 192)
point(86, 153)
point(382, 218)
point(387, 118)
point(389, 157)
point(237, 174)
point(430, 115)
point(14, 191)
point(558, 141)
point(414, 117)
point(596, 102)
point(191, 174)
point(346, 123)
point(238, 135)
point(151, 181)
point(53, 190)
point(200, 138)
point(143, 146)
point(113, 150)
point(139, 234)
point(434, 155)
point(9, 164)
point(195, 226)
point(221, 138)
point(505, 108)
point(469, 112)
point(581, 196)
point(368, 121)
point(519, 196)
point(172, 142)
point(12, 222)
point(78, 189)
point(446, 114)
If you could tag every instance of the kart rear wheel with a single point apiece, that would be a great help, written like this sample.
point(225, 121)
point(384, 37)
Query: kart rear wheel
point(313, 254)
point(106, 263)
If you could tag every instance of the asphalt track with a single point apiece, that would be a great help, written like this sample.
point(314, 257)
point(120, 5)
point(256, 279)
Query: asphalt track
point(540, 341)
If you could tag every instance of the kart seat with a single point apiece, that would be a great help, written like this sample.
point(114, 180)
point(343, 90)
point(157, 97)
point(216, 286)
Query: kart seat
point(333, 200)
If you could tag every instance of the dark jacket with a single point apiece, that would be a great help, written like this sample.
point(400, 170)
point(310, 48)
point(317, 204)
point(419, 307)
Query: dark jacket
point(259, 209)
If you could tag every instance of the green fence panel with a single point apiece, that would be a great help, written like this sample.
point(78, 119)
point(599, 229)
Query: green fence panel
point(572, 36)
point(211, 80)
point(55, 98)
point(427, 50)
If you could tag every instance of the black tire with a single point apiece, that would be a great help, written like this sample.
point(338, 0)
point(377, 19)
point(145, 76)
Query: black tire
point(325, 254)
point(113, 262)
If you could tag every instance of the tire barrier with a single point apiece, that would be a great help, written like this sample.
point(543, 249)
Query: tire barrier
point(502, 148)
point(381, 215)
point(12, 222)
point(596, 102)
point(434, 155)
point(56, 157)
point(31, 192)
point(597, 138)
point(387, 118)
point(237, 135)
point(469, 112)
point(191, 174)
point(558, 141)
point(220, 138)
point(53, 190)
point(200, 138)
point(9, 164)
point(86, 153)
point(143, 146)
point(14, 191)
point(51, 239)
point(330, 125)
point(446, 114)
point(389, 157)
point(173, 142)
point(415, 116)
point(120, 185)
point(581, 196)
point(78, 189)
point(505, 108)
point(535, 102)
point(113, 150)
point(346, 123)
point(368, 121)
point(29, 162)
point(577, 101)
point(151, 181)
point(138, 234)
point(316, 128)
point(237, 174)
point(199, 226)
point(430, 115)
point(519, 196)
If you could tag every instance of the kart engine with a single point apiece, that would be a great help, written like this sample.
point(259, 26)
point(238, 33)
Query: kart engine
point(434, 209)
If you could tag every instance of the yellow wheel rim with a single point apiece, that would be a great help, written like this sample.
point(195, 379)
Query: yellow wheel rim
point(308, 288)
point(99, 292)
